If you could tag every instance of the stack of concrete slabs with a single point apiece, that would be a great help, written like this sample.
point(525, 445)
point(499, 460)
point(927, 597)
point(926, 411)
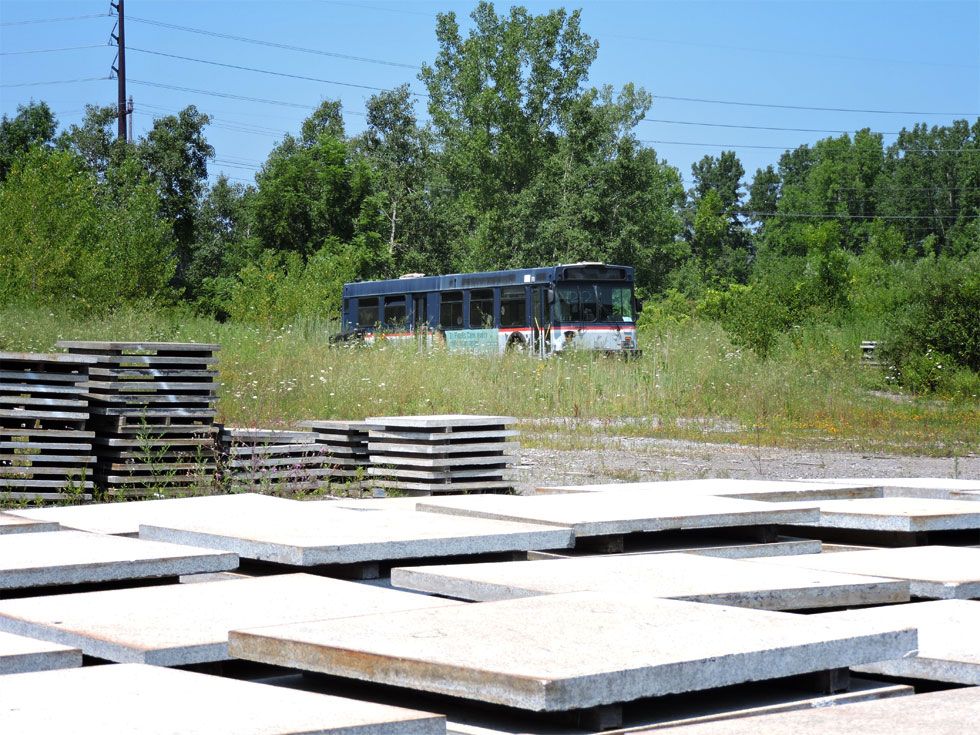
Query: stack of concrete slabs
point(124, 519)
point(949, 641)
point(153, 409)
point(46, 449)
point(951, 712)
point(570, 652)
point(10, 523)
point(281, 461)
point(676, 576)
point(153, 700)
point(441, 454)
point(314, 534)
point(897, 518)
point(933, 572)
point(768, 490)
point(20, 654)
point(346, 443)
point(65, 558)
point(179, 625)
point(605, 514)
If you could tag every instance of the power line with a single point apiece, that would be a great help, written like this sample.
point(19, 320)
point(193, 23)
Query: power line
point(57, 81)
point(268, 71)
point(54, 20)
point(805, 107)
point(753, 127)
point(273, 44)
point(790, 53)
point(714, 145)
point(51, 50)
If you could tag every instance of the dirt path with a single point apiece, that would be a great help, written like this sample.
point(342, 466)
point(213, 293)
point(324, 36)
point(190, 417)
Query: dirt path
point(630, 459)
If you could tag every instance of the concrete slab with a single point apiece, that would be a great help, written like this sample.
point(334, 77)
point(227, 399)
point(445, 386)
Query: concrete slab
point(915, 487)
point(306, 534)
point(949, 643)
point(153, 700)
point(717, 547)
point(20, 654)
point(952, 712)
point(437, 421)
point(677, 576)
point(73, 557)
point(903, 515)
point(567, 652)
point(598, 514)
point(770, 490)
point(177, 625)
point(934, 572)
point(124, 518)
point(10, 523)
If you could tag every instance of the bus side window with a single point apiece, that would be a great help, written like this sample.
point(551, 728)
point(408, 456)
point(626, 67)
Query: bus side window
point(395, 311)
point(367, 312)
point(513, 307)
point(481, 308)
point(451, 310)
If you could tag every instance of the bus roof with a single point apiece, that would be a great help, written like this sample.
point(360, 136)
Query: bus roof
point(488, 279)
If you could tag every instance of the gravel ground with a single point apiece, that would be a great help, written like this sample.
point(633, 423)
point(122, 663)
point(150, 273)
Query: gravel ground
point(628, 459)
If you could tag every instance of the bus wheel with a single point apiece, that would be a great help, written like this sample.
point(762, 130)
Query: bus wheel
point(516, 343)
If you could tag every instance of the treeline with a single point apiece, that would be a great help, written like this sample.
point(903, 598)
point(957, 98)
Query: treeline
point(521, 163)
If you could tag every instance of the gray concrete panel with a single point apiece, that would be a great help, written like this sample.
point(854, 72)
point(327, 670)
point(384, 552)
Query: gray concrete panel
point(953, 712)
point(177, 625)
point(126, 698)
point(936, 572)
point(904, 515)
point(12, 523)
point(677, 576)
point(20, 654)
point(306, 535)
point(74, 557)
point(949, 639)
point(124, 519)
point(563, 652)
point(597, 514)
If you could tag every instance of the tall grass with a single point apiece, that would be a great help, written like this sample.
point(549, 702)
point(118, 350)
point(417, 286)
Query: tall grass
point(690, 383)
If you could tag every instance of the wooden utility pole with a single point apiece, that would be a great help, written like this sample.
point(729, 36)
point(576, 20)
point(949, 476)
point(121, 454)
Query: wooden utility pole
point(120, 67)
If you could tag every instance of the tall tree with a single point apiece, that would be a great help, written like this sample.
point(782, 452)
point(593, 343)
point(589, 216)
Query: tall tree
point(95, 140)
point(175, 153)
point(34, 124)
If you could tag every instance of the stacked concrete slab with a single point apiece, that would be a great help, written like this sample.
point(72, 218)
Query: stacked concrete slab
point(346, 444)
point(153, 409)
point(153, 700)
point(570, 652)
point(273, 461)
point(46, 449)
point(20, 654)
point(423, 455)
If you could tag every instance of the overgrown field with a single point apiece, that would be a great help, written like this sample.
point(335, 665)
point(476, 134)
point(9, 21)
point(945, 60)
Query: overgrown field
point(690, 383)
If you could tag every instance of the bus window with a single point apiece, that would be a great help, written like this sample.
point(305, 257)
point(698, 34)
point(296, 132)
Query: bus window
point(395, 313)
point(481, 308)
point(367, 312)
point(587, 301)
point(567, 304)
point(513, 307)
point(615, 303)
point(451, 310)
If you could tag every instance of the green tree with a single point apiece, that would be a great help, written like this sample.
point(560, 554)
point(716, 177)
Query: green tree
point(34, 124)
point(67, 240)
point(95, 140)
point(175, 153)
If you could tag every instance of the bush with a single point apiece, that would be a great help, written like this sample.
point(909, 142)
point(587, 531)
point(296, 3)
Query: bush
point(936, 323)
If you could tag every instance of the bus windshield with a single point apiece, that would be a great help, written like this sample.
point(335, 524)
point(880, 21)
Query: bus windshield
point(594, 302)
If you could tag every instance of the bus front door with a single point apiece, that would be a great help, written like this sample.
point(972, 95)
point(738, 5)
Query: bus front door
point(540, 321)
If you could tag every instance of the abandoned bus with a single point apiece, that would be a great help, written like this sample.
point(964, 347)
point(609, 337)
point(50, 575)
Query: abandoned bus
point(543, 310)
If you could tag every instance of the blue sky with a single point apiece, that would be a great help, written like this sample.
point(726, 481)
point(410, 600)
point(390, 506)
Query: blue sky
point(908, 57)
